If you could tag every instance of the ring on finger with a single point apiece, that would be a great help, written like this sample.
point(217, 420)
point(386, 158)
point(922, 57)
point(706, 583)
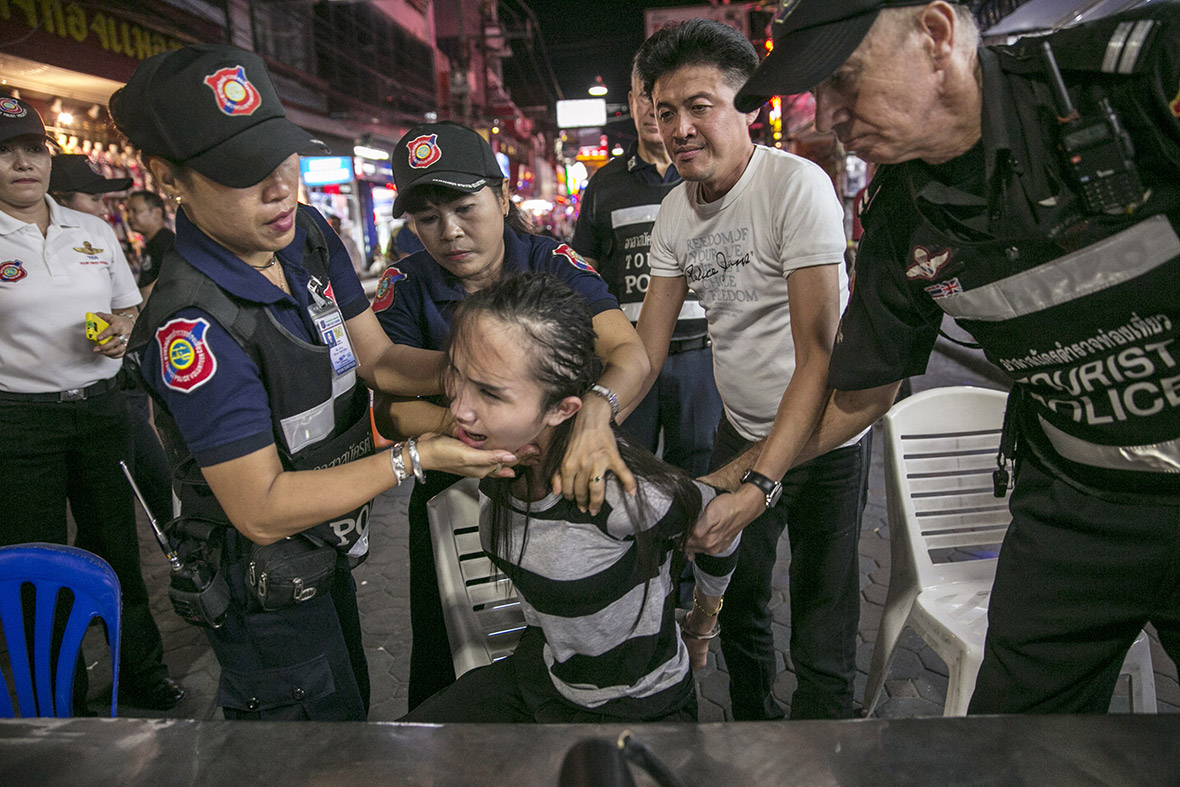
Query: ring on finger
point(497, 468)
point(596, 479)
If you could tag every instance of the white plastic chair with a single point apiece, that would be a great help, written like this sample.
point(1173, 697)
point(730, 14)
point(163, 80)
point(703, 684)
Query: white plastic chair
point(483, 616)
point(940, 451)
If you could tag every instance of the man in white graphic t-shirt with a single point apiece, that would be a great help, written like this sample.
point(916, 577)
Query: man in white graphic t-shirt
point(757, 234)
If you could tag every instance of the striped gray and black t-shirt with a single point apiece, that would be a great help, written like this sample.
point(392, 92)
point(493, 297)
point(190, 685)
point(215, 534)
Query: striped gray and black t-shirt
point(580, 582)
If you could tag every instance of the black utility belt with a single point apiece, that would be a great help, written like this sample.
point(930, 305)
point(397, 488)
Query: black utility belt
point(72, 395)
point(685, 345)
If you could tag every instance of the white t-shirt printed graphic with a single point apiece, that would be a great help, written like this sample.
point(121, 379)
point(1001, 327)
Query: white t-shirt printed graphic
point(736, 254)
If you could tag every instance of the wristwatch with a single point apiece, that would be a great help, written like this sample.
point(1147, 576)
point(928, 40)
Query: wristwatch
point(772, 489)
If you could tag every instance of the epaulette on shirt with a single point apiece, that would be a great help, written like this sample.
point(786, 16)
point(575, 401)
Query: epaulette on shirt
point(1140, 44)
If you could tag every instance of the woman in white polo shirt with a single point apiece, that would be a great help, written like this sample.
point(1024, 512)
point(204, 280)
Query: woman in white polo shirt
point(63, 422)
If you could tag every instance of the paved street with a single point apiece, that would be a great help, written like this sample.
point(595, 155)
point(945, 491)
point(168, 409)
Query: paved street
point(916, 685)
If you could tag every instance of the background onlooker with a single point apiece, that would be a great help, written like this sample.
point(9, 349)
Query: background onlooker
point(147, 216)
point(77, 184)
point(63, 421)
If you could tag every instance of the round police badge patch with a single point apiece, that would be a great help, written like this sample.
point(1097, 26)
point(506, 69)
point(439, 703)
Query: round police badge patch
point(12, 270)
point(11, 108)
point(186, 359)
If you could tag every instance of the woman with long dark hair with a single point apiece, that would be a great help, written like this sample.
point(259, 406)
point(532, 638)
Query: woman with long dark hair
point(459, 202)
point(602, 642)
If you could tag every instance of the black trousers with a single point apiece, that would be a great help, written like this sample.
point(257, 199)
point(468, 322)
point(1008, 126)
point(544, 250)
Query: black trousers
point(518, 689)
point(821, 507)
point(431, 667)
point(149, 466)
point(59, 452)
point(1077, 578)
point(302, 663)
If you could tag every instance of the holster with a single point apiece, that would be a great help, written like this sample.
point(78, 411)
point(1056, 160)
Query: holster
point(291, 571)
point(197, 586)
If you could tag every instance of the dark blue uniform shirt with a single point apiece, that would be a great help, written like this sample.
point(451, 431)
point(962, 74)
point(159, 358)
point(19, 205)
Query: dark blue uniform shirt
point(218, 399)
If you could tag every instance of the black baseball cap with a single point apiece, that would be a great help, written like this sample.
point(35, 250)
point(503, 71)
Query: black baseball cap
point(442, 154)
point(19, 119)
point(77, 173)
point(812, 38)
point(211, 107)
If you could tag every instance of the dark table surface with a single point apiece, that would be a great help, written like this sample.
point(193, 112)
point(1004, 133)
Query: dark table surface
point(1034, 750)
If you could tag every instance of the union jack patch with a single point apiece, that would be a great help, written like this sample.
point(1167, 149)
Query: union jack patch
point(945, 288)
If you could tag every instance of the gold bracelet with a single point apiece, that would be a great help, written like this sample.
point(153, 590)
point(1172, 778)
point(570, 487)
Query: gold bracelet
point(696, 603)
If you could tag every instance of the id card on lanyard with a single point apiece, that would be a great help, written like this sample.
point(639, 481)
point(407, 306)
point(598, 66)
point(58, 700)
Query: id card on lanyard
point(329, 324)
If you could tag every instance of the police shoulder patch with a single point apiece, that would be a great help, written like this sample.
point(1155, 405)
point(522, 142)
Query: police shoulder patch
point(575, 259)
point(186, 360)
point(383, 298)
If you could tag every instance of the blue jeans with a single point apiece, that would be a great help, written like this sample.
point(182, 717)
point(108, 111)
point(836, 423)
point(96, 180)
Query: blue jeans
point(821, 508)
point(684, 403)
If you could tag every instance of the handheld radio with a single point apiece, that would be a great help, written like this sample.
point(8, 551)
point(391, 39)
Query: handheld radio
point(198, 591)
point(1098, 151)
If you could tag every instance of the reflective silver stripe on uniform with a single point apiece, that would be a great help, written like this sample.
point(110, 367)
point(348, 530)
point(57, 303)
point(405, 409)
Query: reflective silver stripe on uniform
point(638, 214)
point(316, 423)
point(1135, 45)
point(1114, 47)
point(1153, 458)
point(691, 310)
point(1108, 263)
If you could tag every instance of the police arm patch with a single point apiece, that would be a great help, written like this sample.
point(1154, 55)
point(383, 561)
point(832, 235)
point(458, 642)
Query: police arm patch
point(575, 259)
point(383, 298)
point(186, 360)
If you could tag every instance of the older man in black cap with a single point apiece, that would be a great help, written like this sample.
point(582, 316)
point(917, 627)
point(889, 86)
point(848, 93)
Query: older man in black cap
point(1031, 193)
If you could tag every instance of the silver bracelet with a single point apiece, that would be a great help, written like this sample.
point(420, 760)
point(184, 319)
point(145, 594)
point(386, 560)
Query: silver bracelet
point(682, 620)
point(398, 464)
point(415, 460)
point(610, 396)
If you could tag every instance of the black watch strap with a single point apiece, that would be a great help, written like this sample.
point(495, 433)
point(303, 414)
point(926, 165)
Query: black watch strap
point(771, 488)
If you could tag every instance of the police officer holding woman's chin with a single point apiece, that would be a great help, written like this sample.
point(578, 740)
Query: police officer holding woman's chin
point(255, 344)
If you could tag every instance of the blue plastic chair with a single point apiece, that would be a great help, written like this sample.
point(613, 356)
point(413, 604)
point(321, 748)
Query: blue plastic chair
point(50, 568)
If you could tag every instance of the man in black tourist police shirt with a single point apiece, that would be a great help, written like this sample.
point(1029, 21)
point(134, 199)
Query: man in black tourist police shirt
point(1064, 268)
point(145, 214)
point(614, 234)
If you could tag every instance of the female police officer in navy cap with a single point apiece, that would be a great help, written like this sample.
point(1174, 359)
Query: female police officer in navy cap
point(449, 181)
point(253, 343)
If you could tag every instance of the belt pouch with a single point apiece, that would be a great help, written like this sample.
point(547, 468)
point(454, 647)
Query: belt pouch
point(291, 571)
